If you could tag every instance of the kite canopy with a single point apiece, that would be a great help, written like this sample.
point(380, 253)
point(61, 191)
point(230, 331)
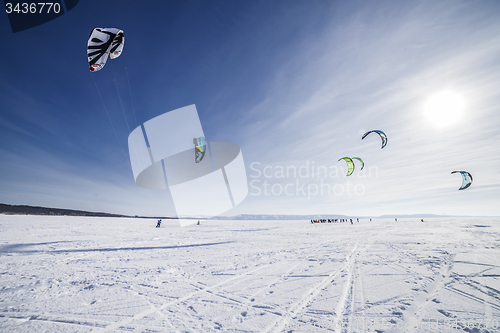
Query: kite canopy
point(200, 148)
point(466, 179)
point(104, 42)
point(379, 132)
point(350, 165)
point(362, 163)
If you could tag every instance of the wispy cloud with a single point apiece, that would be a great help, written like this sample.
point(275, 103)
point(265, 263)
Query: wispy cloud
point(291, 83)
point(372, 72)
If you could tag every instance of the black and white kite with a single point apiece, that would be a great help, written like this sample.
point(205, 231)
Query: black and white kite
point(104, 42)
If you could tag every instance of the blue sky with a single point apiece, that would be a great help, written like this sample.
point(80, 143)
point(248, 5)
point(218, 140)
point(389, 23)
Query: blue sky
point(294, 83)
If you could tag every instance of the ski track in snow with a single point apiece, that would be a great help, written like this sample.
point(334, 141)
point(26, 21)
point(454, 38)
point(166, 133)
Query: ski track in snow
point(81, 274)
point(309, 296)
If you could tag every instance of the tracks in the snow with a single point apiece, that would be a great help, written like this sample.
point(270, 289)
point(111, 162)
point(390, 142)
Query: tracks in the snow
point(142, 314)
point(299, 306)
point(344, 306)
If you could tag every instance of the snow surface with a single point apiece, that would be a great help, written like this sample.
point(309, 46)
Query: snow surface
point(82, 274)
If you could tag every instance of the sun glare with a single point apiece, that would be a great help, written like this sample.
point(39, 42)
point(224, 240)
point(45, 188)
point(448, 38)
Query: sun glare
point(444, 109)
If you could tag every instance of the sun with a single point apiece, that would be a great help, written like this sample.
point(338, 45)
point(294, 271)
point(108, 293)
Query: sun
point(444, 109)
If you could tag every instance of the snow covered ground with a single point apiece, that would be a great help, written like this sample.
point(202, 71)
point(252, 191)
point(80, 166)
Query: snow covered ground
point(82, 274)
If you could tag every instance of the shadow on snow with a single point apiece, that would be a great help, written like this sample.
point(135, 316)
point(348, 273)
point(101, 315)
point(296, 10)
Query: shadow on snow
point(12, 248)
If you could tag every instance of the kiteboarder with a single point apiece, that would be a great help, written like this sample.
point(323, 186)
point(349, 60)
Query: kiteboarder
point(158, 224)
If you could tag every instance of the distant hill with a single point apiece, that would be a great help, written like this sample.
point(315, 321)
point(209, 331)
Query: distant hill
point(280, 217)
point(321, 216)
point(415, 216)
point(34, 210)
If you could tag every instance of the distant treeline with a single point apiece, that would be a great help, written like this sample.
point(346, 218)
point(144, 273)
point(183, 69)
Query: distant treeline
point(31, 210)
